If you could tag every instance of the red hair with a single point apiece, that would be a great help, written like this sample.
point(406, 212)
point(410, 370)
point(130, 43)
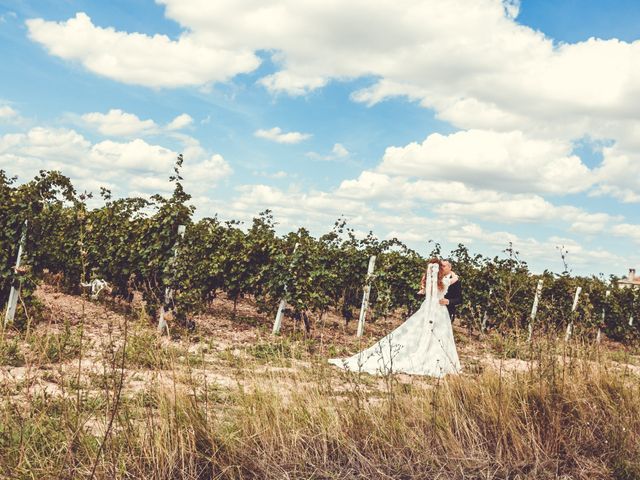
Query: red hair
point(440, 271)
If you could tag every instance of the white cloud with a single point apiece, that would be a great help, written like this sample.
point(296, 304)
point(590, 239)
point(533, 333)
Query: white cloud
point(294, 208)
point(124, 166)
point(11, 116)
point(135, 155)
point(440, 52)
point(150, 185)
point(207, 172)
point(198, 177)
point(338, 152)
point(627, 230)
point(180, 122)
point(294, 85)
point(588, 223)
point(528, 208)
point(117, 123)
point(5, 16)
point(7, 113)
point(276, 134)
point(277, 175)
point(619, 174)
point(154, 61)
point(502, 161)
point(52, 144)
point(317, 211)
point(457, 200)
point(476, 67)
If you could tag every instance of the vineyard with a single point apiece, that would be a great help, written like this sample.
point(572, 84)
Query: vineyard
point(180, 265)
point(91, 388)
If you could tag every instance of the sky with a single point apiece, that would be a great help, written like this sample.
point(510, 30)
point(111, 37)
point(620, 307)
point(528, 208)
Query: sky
point(484, 123)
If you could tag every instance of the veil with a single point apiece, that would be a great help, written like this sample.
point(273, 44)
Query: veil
point(431, 288)
point(431, 291)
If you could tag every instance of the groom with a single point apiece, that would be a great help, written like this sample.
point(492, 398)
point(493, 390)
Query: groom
point(453, 296)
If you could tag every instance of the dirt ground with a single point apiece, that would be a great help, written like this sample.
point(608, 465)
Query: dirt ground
point(222, 352)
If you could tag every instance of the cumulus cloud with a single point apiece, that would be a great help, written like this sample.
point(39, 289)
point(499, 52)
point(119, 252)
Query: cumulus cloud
point(455, 199)
point(276, 134)
point(206, 173)
point(52, 144)
point(6, 112)
point(126, 166)
point(135, 155)
point(503, 161)
point(180, 122)
point(317, 210)
point(11, 116)
point(477, 68)
point(118, 123)
point(627, 230)
point(150, 185)
point(439, 52)
point(619, 174)
point(154, 61)
point(338, 152)
point(5, 16)
point(276, 175)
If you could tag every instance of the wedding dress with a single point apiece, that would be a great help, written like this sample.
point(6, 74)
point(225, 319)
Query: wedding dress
point(422, 345)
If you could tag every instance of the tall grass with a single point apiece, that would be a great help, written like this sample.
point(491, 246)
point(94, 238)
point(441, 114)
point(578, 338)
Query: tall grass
point(572, 414)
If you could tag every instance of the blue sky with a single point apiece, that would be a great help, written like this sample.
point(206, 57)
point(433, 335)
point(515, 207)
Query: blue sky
point(507, 122)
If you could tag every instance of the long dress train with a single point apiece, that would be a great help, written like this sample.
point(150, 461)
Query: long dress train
point(422, 345)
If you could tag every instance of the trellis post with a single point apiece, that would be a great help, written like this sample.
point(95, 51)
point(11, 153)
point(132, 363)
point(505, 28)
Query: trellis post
point(168, 292)
point(283, 302)
point(573, 309)
point(599, 334)
point(10, 312)
point(485, 315)
point(365, 295)
point(534, 308)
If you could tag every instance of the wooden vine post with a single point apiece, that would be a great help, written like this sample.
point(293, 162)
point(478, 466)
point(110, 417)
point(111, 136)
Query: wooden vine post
point(10, 312)
point(168, 292)
point(283, 302)
point(534, 308)
point(365, 295)
point(573, 310)
point(485, 315)
point(599, 334)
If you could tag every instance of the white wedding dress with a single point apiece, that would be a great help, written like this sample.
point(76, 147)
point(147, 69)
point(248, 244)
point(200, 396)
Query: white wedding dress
point(422, 345)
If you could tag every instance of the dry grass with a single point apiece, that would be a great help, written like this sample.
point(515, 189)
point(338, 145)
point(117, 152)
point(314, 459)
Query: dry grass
point(130, 405)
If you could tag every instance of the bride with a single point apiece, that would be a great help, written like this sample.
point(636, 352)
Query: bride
point(423, 344)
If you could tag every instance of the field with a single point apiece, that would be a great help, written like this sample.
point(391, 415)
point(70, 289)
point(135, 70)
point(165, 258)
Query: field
point(93, 391)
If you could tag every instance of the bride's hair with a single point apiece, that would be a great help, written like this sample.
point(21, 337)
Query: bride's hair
point(440, 272)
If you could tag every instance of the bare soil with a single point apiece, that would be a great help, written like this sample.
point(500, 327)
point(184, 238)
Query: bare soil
point(218, 351)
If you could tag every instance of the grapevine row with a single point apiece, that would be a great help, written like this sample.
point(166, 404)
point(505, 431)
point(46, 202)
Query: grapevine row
point(134, 244)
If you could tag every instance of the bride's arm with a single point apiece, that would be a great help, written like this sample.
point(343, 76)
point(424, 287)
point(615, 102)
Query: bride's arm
point(454, 278)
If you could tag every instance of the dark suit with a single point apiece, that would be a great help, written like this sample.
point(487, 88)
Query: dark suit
point(454, 295)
